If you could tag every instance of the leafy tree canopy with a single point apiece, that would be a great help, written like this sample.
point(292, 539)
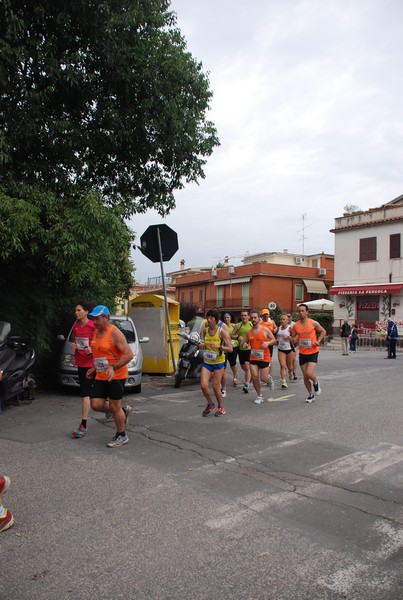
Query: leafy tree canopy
point(102, 115)
point(53, 252)
point(101, 94)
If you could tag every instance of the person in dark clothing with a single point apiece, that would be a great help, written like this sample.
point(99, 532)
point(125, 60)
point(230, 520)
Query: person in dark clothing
point(353, 339)
point(392, 339)
point(345, 331)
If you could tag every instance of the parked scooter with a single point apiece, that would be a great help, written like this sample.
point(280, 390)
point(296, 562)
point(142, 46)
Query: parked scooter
point(190, 357)
point(16, 360)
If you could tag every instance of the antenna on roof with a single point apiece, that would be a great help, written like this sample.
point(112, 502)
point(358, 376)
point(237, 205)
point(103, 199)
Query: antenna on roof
point(303, 236)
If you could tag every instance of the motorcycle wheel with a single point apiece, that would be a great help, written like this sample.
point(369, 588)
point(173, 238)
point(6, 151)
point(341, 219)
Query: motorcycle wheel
point(179, 376)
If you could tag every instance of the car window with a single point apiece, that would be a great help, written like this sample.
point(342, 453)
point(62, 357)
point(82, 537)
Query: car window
point(127, 328)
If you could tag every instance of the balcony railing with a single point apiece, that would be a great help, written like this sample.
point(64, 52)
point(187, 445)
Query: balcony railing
point(228, 304)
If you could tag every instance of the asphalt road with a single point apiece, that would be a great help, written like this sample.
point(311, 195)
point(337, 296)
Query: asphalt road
point(279, 501)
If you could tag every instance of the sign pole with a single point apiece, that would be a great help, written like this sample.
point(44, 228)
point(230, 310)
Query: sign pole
point(165, 299)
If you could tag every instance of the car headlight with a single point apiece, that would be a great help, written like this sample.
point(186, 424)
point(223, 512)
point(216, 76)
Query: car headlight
point(132, 363)
point(68, 360)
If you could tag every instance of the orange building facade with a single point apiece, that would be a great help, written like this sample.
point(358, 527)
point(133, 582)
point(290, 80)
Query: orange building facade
point(256, 285)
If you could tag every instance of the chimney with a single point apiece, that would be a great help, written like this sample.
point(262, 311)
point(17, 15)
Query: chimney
point(226, 260)
point(182, 264)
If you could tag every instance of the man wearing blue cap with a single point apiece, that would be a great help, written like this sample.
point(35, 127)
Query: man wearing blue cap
point(111, 353)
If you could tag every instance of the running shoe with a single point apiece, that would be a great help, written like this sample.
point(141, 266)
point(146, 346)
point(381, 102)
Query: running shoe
point(295, 377)
point(245, 388)
point(7, 521)
point(4, 484)
point(310, 398)
point(259, 400)
point(223, 393)
point(80, 432)
point(271, 382)
point(284, 384)
point(209, 409)
point(127, 410)
point(316, 387)
point(236, 382)
point(118, 440)
point(220, 411)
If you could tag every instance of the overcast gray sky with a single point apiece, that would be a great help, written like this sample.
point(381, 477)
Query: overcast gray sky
point(308, 104)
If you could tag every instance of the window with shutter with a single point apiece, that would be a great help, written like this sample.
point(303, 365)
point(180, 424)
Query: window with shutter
point(394, 245)
point(367, 249)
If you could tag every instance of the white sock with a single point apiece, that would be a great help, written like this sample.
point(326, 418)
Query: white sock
point(2, 511)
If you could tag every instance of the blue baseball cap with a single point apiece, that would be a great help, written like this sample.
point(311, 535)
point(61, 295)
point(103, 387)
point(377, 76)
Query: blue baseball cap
point(99, 310)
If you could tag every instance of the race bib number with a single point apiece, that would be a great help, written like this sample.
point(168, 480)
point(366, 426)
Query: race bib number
point(82, 343)
point(259, 354)
point(305, 343)
point(284, 344)
point(101, 364)
point(210, 355)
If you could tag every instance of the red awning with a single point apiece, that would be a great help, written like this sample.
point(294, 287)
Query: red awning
point(365, 290)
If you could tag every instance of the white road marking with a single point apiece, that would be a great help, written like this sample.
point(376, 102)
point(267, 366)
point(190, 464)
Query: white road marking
point(361, 463)
point(289, 443)
point(231, 515)
point(281, 398)
point(392, 540)
point(174, 398)
point(346, 579)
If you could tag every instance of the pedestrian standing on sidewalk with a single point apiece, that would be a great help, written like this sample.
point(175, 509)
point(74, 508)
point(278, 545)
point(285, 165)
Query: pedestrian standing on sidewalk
point(309, 334)
point(82, 332)
point(111, 354)
point(391, 337)
point(345, 331)
point(353, 339)
point(216, 342)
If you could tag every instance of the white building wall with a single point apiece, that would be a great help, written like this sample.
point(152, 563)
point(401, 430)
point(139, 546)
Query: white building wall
point(350, 271)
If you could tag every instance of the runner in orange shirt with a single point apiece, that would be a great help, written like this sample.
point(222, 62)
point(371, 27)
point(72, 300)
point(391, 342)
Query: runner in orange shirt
point(111, 354)
point(260, 339)
point(305, 332)
point(272, 327)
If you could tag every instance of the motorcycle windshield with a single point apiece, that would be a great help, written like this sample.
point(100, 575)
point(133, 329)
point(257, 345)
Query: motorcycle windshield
point(5, 329)
point(195, 325)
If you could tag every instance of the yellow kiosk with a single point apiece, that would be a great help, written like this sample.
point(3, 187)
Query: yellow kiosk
point(148, 313)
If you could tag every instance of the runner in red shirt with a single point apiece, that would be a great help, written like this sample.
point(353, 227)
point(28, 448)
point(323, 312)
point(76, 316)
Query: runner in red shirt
point(83, 331)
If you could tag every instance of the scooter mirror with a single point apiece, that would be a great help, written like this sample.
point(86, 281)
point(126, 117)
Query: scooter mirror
point(5, 329)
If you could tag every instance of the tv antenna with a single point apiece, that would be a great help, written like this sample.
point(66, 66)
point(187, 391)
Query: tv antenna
point(303, 236)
